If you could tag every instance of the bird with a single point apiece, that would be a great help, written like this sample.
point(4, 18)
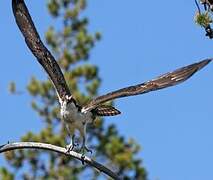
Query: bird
point(75, 116)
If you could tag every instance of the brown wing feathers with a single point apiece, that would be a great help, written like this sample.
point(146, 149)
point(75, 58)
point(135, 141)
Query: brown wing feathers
point(104, 110)
point(33, 41)
point(44, 57)
point(163, 81)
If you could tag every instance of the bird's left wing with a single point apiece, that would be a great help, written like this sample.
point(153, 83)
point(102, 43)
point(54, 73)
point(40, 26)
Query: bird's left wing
point(44, 57)
point(163, 81)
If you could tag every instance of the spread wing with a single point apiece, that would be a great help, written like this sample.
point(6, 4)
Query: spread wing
point(44, 57)
point(163, 81)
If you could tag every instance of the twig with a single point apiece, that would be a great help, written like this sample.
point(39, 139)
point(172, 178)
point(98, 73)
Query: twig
point(61, 150)
point(209, 31)
point(198, 7)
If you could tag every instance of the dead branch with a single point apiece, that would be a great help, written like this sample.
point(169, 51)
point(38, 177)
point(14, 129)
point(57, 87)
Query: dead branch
point(61, 150)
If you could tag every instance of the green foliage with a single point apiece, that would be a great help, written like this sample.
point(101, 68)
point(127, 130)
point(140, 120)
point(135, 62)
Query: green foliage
point(5, 174)
point(71, 46)
point(203, 19)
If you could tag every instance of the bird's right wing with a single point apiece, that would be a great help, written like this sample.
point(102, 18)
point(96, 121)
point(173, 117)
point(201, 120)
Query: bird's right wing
point(163, 81)
point(44, 57)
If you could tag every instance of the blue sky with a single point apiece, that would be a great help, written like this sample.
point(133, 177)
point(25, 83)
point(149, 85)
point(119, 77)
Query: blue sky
point(141, 40)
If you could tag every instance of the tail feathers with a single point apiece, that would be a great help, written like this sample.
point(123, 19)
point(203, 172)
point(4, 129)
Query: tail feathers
point(104, 110)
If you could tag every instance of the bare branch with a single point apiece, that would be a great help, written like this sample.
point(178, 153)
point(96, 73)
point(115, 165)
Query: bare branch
point(61, 150)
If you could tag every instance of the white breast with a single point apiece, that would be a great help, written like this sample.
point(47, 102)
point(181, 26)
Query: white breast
point(73, 117)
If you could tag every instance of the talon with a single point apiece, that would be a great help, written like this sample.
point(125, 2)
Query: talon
point(88, 150)
point(84, 148)
point(83, 159)
point(71, 147)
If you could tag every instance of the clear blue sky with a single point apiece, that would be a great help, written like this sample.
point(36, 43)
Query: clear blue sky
point(141, 40)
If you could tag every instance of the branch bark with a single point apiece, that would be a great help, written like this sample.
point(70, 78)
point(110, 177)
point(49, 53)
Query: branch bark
point(61, 150)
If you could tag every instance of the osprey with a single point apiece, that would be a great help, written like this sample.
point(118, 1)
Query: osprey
point(75, 116)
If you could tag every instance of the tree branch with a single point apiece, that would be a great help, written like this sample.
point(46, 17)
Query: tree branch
point(61, 150)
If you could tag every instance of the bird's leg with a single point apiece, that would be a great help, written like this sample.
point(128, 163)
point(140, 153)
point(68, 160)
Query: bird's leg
point(72, 144)
point(84, 147)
